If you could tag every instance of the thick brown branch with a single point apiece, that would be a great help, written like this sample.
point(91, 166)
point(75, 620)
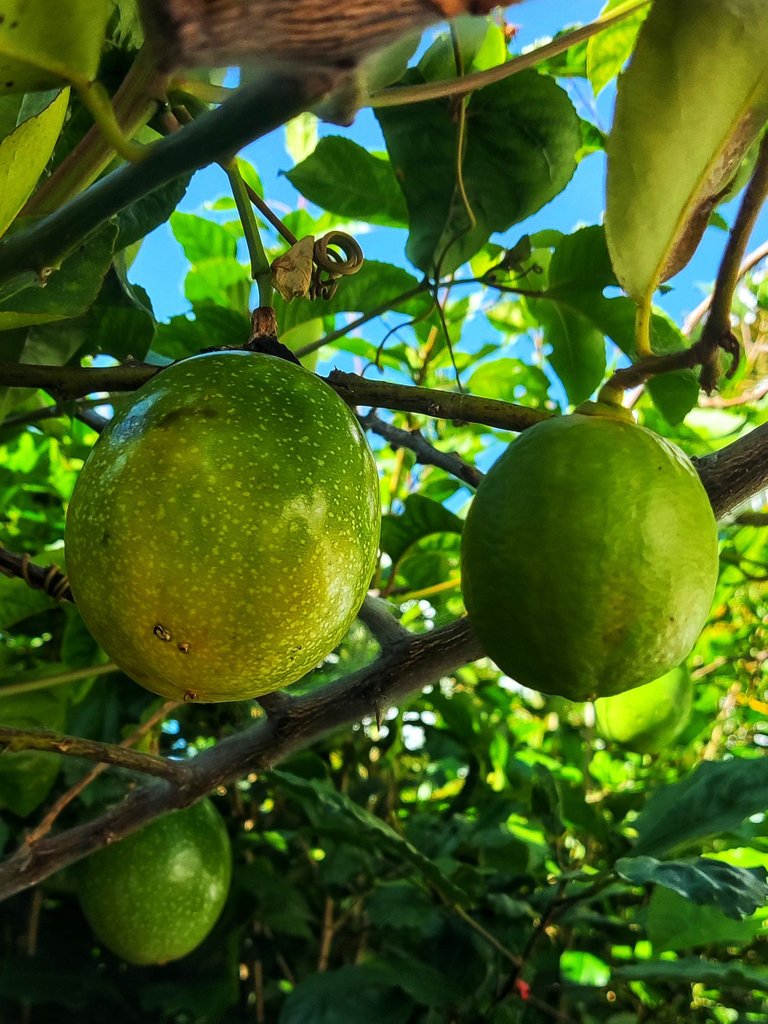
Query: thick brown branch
point(736, 473)
point(103, 753)
point(717, 333)
point(404, 667)
point(376, 614)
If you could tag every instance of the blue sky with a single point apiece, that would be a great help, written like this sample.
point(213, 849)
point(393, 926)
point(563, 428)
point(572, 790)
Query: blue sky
point(161, 267)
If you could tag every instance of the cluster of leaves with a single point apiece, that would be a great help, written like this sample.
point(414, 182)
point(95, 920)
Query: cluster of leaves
point(480, 854)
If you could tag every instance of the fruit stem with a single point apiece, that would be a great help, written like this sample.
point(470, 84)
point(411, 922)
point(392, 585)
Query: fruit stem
point(260, 269)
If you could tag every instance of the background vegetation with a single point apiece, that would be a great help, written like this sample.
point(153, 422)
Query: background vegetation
point(456, 848)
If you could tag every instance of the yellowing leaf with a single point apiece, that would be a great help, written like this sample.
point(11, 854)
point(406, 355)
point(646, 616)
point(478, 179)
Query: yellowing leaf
point(43, 43)
point(24, 154)
point(693, 99)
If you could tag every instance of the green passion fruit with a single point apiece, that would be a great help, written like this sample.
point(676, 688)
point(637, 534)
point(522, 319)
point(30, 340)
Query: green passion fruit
point(223, 532)
point(589, 556)
point(650, 717)
point(155, 895)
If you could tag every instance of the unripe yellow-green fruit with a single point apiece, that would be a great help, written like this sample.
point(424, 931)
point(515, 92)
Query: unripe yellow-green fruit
point(589, 556)
point(222, 535)
point(155, 895)
point(650, 717)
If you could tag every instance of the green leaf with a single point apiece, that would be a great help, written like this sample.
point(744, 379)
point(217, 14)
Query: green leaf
point(737, 892)
point(337, 815)
point(42, 43)
point(69, 291)
point(421, 518)
point(24, 155)
point(508, 380)
point(221, 280)
point(715, 797)
point(119, 323)
point(348, 995)
point(658, 203)
point(386, 66)
point(479, 40)
point(577, 348)
point(609, 50)
point(674, 923)
point(581, 968)
point(18, 602)
point(424, 983)
point(346, 179)
point(522, 135)
point(202, 239)
point(579, 271)
point(301, 136)
point(277, 903)
point(148, 212)
point(26, 777)
point(212, 326)
point(401, 905)
point(692, 971)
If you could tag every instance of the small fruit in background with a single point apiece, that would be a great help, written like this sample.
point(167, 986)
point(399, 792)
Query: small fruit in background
point(650, 717)
point(223, 533)
point(155, 895)
point(589, 556)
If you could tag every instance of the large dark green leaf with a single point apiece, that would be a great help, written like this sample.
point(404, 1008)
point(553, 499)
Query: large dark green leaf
point(673, 922)
point(340, 816)
point(421, 518)
point(577, 348)
point(579, 272)
point(147, 213)
point(201, 238)
point(348, 995)
point(692, 971)
point(717, 796)
point(69, 291)
point(737, 892)
point(26, 777)
point(119, 323)
point(211, 326)
point(346, 179)
point(522, 137)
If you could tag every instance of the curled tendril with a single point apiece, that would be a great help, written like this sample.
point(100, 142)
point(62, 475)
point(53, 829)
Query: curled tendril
point(335, 255)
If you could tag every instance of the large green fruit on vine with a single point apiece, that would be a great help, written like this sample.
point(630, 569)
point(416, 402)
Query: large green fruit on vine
point(589, 556)
point(222, 535)
point(650, 717)
point(155, 895)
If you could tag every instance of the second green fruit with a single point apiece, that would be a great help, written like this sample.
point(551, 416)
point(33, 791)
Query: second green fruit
point(589, 556)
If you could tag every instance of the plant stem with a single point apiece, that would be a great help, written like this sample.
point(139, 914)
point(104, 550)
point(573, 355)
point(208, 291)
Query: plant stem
point(95, 99)
point(396, 97)
point(260, 269)
point(59, 679)
point(749, 263)
point(108, 753)
point(253, 111)
point(134, 103)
